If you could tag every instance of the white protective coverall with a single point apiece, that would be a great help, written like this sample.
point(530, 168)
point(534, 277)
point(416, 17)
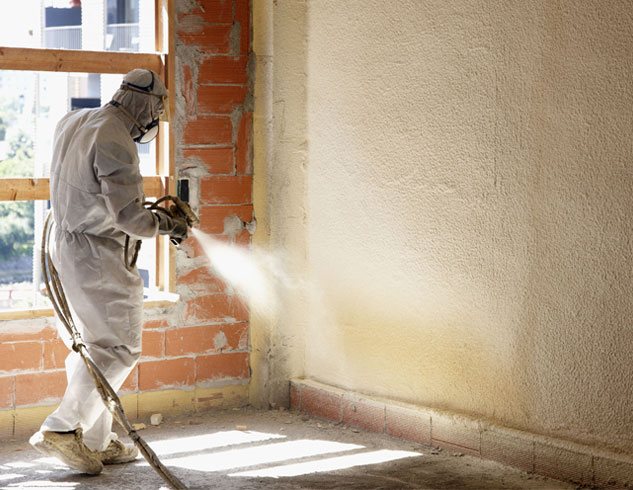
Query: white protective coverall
point(96, 199)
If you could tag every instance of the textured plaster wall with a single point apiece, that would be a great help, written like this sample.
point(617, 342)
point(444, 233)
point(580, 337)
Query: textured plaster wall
point(465, 170)
point(470, 200)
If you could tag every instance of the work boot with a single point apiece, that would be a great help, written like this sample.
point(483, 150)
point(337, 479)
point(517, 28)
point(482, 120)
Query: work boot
point(116, 453)
point(69, 448)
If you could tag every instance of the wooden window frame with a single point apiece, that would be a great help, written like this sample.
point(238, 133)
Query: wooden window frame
point(78, 61)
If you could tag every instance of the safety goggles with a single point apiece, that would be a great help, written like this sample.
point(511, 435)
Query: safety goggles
point(163, 115)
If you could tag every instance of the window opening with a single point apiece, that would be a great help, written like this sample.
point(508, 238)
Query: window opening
point(31, 104)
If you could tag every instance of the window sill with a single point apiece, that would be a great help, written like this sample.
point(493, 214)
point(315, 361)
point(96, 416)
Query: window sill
point(155, 299)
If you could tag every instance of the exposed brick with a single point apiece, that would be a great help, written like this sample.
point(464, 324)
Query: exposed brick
point(295, 396)
point(193, 249)
point(212, 217)
point(153, 343)
point(209, 11)
point(131, 382)
point(243, 16)
point(55, 354)
point(364, 413)
point(6, 392)
point(508, 447)
point(215, 160)
point(243, 239)
point(236, 336)
point(48, 386)
point(409, 424)
point(321, 402)
point(455, 434)
point(206, 339)
point(188, 90)
point(49, 332)
point(229, 189)
point(155, 323)
point(218, 308)
point(165, 373)
point(244, 147)
point(190, 340)
point(202, 279)
point(223, 69)
point(207, 130)
point(20, 356)
point(222, 366)
point(562, 463)
point(212, 39)
point(220, 99)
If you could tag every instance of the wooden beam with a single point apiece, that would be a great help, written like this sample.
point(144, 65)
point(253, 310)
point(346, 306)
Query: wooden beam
point(27, 189)
point(166, 154)
point(23, 189)
point(154, 186)
point(67, 60)
point(171, 85)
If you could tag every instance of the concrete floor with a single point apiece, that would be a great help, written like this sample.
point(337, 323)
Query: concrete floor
point(250, 449)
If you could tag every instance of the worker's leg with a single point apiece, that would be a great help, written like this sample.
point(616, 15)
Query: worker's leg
point(81, 406)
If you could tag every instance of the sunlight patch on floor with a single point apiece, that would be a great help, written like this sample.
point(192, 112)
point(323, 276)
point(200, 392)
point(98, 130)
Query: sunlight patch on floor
point(19, 464)
point(39, 484)
point(258, 455)
point(196, 453)
point(210, 441)
point(329, 464)
point(10, 476)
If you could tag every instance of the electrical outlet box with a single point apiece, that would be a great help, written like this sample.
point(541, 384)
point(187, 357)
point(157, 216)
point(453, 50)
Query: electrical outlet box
point(182, 189)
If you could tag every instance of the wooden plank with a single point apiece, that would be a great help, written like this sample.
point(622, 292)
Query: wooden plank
point(162, 245)
point(171, 84)
point(28, 314)
point(166, 43)
point(159, 31)
point(154, 186)
point(27, 189)
point(76, 61)
point(23, 189)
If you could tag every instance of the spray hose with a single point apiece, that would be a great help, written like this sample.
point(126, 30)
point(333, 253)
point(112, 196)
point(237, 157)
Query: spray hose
point(108, 395)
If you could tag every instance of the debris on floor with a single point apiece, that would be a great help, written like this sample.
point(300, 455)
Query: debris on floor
point(285, 450)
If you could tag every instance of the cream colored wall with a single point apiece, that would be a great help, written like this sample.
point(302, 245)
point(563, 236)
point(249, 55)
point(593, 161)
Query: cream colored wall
point(468, 196)
point(279, 192)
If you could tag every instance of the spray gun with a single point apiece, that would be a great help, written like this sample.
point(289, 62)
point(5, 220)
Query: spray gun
point(181, 209)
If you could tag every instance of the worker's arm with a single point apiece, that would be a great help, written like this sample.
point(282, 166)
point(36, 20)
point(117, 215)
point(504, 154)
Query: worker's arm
point(122, 189)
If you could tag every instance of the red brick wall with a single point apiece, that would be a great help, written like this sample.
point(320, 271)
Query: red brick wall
point(31, 364)
point(203, 340)
point(214, 150)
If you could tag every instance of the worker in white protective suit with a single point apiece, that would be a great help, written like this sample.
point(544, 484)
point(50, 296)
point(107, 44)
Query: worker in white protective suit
point(97, 199)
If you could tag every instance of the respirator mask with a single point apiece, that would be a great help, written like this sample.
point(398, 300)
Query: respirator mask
point(159, 110)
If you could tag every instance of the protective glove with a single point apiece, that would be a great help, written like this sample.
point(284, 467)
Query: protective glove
point(175, 227)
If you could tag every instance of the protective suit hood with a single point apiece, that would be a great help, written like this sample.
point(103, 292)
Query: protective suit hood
point(143, 99)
